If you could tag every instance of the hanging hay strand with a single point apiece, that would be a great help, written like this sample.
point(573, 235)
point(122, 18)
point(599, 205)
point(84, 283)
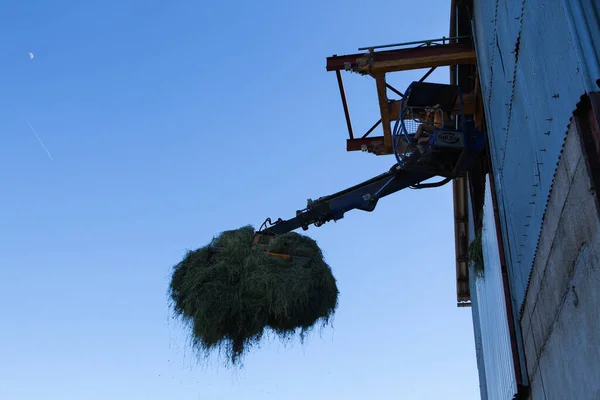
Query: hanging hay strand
point(476, 247)
point(230, 293)
point(476, 254)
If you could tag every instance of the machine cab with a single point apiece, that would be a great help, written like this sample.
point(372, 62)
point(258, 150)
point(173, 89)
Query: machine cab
point(432, 134)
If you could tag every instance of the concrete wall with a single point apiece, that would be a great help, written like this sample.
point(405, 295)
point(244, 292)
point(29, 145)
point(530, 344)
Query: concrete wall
point(560, 319)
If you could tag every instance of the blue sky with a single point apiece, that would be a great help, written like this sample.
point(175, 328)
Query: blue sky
point(170, 121)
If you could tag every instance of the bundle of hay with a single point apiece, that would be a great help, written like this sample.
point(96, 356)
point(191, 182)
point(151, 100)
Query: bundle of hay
point(476, 253)
point(230, 293)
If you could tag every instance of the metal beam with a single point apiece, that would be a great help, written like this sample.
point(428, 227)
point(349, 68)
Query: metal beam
point(345, 104)
point(427, 74)
point(371, 129)
point(385, 110)
point(426, 42)
point(461, 238)
point(374, 145)
point(404, 59)
point(468, 106)
point(393, 89)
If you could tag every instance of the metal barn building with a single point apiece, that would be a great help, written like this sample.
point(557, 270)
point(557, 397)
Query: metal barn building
point(536, 306)
point(529, 76)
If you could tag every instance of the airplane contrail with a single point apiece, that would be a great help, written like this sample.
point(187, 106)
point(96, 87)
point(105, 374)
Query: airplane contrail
point(39, 140)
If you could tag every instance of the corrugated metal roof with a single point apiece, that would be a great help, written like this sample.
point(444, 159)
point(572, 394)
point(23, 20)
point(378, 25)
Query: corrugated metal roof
point(535, 62)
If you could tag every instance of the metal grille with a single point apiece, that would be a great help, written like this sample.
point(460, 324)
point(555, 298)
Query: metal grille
point(411, 126)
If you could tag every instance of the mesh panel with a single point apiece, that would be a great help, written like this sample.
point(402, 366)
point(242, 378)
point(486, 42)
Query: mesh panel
point(411, 126)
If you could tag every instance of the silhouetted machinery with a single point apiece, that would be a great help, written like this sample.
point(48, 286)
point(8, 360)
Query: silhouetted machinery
point(431, 137)
point(427, 138)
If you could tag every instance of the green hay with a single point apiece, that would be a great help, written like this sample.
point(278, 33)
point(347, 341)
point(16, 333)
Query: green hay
point(476, 254)
point(476, 248)
point(231, 293)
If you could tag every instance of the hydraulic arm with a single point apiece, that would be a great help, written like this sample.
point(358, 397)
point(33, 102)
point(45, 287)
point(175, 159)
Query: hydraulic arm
point(363, 196)
point(450, 149)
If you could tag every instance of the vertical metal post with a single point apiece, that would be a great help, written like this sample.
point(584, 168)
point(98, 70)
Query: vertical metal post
point(338, 74)
point(384, 108)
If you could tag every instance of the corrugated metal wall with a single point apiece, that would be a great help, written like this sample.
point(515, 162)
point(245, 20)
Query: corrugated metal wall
point(495, 335)
point(533, 68)
point(478, 342)
point(475, 313)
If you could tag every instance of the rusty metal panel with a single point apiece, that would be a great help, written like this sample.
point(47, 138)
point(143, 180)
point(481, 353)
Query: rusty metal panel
point(403, 59)
point(500, 376)
point(536, 59)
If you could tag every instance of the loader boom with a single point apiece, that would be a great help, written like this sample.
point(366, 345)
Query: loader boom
point(363, 196)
